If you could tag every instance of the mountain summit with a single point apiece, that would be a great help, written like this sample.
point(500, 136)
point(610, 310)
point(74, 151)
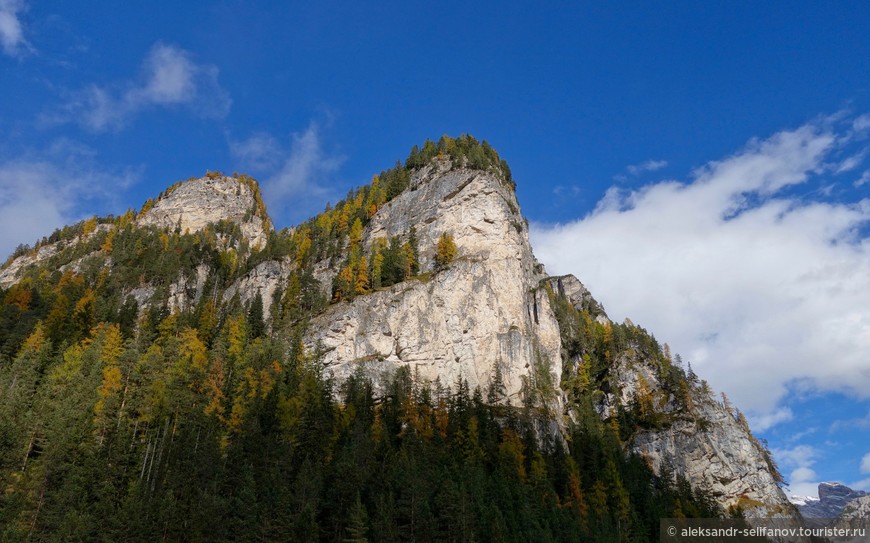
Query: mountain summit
point(832, 501)
point(192, 205)
point(400, 355)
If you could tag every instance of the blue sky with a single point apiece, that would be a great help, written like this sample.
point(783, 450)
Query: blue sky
point(703, 168)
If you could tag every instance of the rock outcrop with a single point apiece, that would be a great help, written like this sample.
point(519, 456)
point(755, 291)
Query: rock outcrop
point(717, 453)
point(11, 272)
point(694, 437)
point(482, 311)
point(192, 205)
point(570, 288)
point(856, 508)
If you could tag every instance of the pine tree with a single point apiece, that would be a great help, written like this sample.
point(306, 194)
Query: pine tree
point(414, 251)
point(256, 324)
point(497, 391)
point(357, 523)
point(377, 269)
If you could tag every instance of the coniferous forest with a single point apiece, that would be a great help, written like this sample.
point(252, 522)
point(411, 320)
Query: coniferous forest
point(214, 423)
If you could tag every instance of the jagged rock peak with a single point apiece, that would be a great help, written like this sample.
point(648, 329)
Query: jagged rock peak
point(191, 205)
point(578, 295)
point(833, 498)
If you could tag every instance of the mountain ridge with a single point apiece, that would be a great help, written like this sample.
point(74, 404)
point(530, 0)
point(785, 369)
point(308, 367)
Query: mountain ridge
point(832, 501)
point(426, 272)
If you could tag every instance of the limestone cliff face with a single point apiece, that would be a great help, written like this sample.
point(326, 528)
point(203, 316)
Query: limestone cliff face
point(699, 438)
point(717, 453)
point(708, 443)
point(266, 278)
point(483, 310)
point(192, 205)
point(11, 272)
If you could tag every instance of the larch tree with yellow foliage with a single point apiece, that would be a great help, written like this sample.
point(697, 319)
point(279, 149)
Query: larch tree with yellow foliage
point(445, 250)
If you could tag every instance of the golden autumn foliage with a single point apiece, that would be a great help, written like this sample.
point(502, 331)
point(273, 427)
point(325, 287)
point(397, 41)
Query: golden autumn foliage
point(34, 342)
point(20, 295)
point(445, 250)
point(89, 226)
point(361, 286)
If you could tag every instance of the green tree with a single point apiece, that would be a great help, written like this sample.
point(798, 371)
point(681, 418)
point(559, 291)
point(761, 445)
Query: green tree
point(256, 323)
point(357, 523)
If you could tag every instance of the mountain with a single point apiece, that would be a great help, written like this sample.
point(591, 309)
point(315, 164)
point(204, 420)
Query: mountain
point(399, 365)
point(856, 509)
point(832, 501)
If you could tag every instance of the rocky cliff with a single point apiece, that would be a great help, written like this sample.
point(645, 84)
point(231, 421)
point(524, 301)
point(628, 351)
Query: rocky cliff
point(681, 429)
point(832, 501)
point(856, 508)
point(484, 310)
point(185, 207)
point(489, 317)
point(192, 205)
point(711, 446)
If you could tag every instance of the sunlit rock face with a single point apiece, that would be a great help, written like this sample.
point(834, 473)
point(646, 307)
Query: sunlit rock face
point(196, 203)
point(486, 309)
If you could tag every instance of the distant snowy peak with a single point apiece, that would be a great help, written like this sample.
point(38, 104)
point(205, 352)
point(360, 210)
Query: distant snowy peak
point(833, 498)
point(802, 500)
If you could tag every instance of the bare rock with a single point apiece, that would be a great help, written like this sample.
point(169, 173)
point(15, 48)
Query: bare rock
point(483, 310)
point(192, 205)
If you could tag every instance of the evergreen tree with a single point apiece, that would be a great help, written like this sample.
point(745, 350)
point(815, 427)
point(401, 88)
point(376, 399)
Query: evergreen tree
point(256, 323)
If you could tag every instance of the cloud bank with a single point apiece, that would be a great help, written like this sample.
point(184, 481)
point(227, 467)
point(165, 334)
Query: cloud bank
point(169, 78)
point(764, 290)
point(40, 192)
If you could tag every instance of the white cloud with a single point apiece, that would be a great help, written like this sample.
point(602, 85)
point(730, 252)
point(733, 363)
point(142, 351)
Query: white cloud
point(296, 179)
point(865, 178)
point(803, 481)
point(260, 151)
point(802, 478)
point(648, 166)
point(799, 456)
point(865, 464)
point(760, 290)
point(850, 162)
point(169, 78)
point(40, 192)
point(11, 31)
point(765, 421)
